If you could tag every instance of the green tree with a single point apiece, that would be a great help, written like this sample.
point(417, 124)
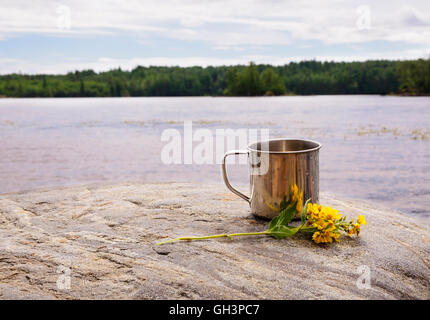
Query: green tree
point(82, 89)
point(250, 83)
point(306, 77)
point(272, 82)
point(246, 82)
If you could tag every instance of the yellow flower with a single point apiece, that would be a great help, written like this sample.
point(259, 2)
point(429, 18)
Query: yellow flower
point(318, 237)
point(331, 214)
point(314, 212)
point(328, 223)
point(295, 195)
point(320, 224)
point(322, 237)
point(361, 220)
point(357, 228)
point(313, 207)
point(300, 202)
point(330, 226)
point(294, 190)
point(335, 236)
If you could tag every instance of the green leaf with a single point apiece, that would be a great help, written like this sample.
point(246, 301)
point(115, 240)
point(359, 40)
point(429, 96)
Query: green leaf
point(303, 217)
point(274, 222)
point(284, 204)
point(281, 231)
point(284, 218)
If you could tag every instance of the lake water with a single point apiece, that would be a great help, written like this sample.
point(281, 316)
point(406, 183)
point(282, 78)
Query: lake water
point(374, 148)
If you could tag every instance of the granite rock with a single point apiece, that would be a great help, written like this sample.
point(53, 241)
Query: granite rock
point(98, 242)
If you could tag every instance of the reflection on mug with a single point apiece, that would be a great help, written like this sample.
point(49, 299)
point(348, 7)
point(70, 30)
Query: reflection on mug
point(294, 198)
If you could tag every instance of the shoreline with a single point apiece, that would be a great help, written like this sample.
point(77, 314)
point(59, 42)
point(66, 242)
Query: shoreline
point(223, 96)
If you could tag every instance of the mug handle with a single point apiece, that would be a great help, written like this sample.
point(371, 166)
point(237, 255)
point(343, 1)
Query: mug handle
point(224, 174)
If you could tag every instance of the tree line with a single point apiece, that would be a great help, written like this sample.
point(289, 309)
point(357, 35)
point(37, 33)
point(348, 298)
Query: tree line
point(410, 77)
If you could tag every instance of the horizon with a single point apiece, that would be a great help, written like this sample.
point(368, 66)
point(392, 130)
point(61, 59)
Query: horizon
point(52, 37)
point(203, 67)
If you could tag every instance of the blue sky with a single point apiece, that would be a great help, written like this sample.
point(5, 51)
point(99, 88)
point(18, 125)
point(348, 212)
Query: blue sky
point(61, 36)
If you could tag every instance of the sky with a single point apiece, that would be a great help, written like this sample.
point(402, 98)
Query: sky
point(61, 36)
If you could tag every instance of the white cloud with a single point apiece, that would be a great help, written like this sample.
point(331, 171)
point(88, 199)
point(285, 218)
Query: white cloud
point(225, 26)
point(224, 22)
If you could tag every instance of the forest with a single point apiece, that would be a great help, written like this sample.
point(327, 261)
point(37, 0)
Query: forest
point(411, 77)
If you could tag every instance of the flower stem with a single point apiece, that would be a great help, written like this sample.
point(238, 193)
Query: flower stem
point(215, 236)
point(310, 229)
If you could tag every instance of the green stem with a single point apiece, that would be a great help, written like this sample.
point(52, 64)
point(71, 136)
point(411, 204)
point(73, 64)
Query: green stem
point(215, 236)
point(308, 229)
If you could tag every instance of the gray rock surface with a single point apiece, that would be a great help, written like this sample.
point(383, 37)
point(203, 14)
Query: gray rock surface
point(102, 239)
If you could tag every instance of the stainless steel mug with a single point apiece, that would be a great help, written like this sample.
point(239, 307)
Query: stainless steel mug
point(278, 168)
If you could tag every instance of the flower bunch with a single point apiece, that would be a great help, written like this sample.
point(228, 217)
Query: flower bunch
point(327, 223)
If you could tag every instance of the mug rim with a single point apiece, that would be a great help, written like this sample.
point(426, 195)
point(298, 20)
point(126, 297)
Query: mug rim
point(319, 145)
